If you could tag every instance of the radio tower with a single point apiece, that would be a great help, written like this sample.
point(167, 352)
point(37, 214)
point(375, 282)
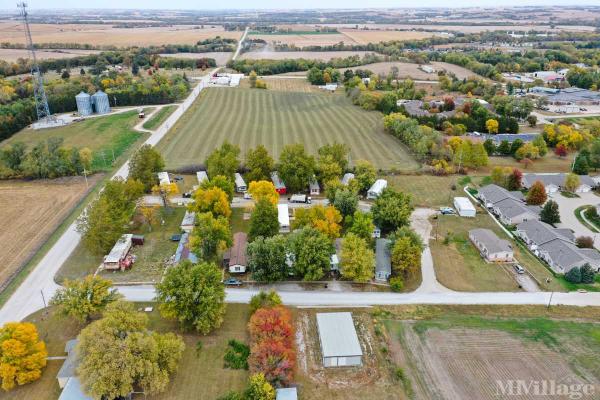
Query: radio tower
point(39, 94)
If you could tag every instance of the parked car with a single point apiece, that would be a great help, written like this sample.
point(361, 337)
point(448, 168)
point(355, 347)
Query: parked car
point(179, 178)
point(232, 282)
point(247, 196)
point(447, 210)
point(519, 269)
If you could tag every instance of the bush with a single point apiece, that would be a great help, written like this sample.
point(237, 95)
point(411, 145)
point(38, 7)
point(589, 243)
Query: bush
point(264, 300)
point(574, 275)
point(397, 283)
point(236, 356)
point(585, 242)
point(587, 274)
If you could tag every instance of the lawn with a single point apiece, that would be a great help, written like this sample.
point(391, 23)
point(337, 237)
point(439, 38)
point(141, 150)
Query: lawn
point(549, 163)
point(249, 117)
point(151, 257)
point(238, 223)
point(108, 137)
point(459, 266)
point(427, 190)
point(160, 117)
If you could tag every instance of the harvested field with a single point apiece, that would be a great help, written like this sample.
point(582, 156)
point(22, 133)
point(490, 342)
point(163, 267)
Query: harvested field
point(31, 211)
point(221, 57)
point(309, 55)
point(290, 84)
point(274, 119)
point(467, 27)
point(376, 36)
point(15, 54)
point(302, 40)
point(12, 32)
point(405, 70)
point(460, 72)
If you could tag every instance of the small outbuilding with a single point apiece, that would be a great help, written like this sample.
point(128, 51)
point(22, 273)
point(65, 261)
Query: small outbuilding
point(490, 246)
point(237, 254)
point(339, 342)
point(283, 215)
point(163, 178)
point(314, 187)
point(201, 176)
point(240, 183)
point(464, 207)
point(286, 394)
point(376, 189)
point(348, 176)
point(188, 221)
point(100, 101)
point(84, 104)
point(117, 258)
point(334, 261)
point(278, 183)
point(73, 391)
point(67, 370)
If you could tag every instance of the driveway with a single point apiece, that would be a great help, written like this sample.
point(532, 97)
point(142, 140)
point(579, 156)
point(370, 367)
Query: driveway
point(567, 206)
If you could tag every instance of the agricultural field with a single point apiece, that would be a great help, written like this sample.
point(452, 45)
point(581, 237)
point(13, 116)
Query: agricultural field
point(468, 27)
point(289, 84)
point(304, 39)
point(98, 35)
point(308, 55)
point(274, 119)
point(31, 211)
point(220, 57)
point(459, 266)
point(106, 136)
point(458, 356)
point(375, 36)
point(42, 54)
point(405, 70)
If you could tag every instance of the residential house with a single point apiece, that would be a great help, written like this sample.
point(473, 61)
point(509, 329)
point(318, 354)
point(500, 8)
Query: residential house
point(118, 256)
point(235, 258)
point(492, 193)
point(383, 266)
point(490, 246)
point(553, 182)
point(283, 215)
point(240, 183)
point(67, 370)
point(163, 178)
point(512, 212)
point(183, 251)
point(201, 176)
point(314, 187)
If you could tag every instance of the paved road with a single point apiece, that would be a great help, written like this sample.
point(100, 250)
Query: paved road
point(39, 286)
point(567, 206)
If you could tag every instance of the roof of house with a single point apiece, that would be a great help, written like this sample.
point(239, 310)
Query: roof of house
point(540, 232)
point(573, 95)
point(592, 254)
point(378, 186)
point(511, 137)
point(67, 370)
point(286, 394)
point(237, 253)
point(563, 253)
point(464, 204)
point(279, 184)
point(490, 240)
point(183, 250)
point(189, 218)
point(383, 256)
point(313, 184)
point(494, 193)
point(347, 178)
point(283, 214)
point(73, 391)
point(338, 335)
point(556, 179)
point(70, 345)
point(120, 249)
point(201, 176)
point(510, 208)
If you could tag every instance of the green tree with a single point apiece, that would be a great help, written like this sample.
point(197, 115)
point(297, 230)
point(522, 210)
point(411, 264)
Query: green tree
point(85, 297)
point(223, 161)
point(504, 148)
point(311, 251)
point(331, 188)
point(222, 182)
point(338, 152)
point(392, 210)
point(121, 341)
point(213, 200)
point(346, 202)
point(259, 388)
point(490, 147)
point(364, 175)
point(550, 213)
point(264, 220)
point(210, 237)
point(315, 76)
point(14, 155)
point(259, 164)
point(406, 249)
point(252, 77)
point(573, 275)
point(361, 225)
point(580, 166)
point(296, 168)
point(357, 259)
point(144, 166)
point(264, 300)
point(537, 194)
point(540, 143)
point(194, 295)
point(572, 182)
point(267, 259)
point(328, 169)
point(587, 274)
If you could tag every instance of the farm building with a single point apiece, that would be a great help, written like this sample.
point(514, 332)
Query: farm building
point(286, 394)
point(188, 221)
point(100, 102)
point(464, 207)
point(201, 176)
point(383, 265)
point(376, 189)
point(84, 104)
point(278, 183)
point(283, 215)
point(314, 187)
point(117, 258)
point(163, 178)
point(240, 183)
point(339, 342)
point(347, 178)
point(236, 256)
point(490, 246)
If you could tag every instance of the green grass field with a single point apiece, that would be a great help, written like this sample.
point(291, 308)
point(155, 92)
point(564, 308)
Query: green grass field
point(248, 117)
point(107, 137)
point(159, 117)
point(427, 190)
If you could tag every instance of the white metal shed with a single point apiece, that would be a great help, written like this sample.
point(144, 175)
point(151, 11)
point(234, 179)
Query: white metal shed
point(464, 207)
point(376, 189)
point(339, 342)
point(163, 178)
point(240, 183)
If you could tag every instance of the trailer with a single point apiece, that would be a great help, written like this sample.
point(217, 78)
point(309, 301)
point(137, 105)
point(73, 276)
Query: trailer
point(240, 184)
point(300, 198)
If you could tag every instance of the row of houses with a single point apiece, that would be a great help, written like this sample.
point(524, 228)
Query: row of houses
point(509, 207)
point(554, 182)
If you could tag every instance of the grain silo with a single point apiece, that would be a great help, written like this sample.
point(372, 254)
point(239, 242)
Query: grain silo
point(84, 104)
point(100, 101)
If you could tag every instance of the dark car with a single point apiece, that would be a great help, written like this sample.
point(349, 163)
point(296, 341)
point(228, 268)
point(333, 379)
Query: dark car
point(232, 282)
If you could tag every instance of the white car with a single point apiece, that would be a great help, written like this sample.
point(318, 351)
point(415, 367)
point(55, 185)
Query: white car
point(247, 196)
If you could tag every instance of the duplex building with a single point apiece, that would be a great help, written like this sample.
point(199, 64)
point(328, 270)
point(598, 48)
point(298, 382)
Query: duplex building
point(490, 246)
point(553, 182)
point(508, 206)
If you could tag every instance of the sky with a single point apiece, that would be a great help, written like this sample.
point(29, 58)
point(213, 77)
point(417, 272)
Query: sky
point(279, 4)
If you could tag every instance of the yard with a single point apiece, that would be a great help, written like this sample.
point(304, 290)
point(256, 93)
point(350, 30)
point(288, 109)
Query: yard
point(549, 163)
point(459, 266)
point(249, 117)
point(108, 137)
point(455, 353)
point(31, 211)
point(151, 257)
point(427, 190)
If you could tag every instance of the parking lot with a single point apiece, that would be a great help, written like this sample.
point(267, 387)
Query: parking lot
point(567, 207)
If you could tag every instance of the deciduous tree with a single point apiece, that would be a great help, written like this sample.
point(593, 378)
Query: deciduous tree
point(296, 168)
point(572, 182)
point(263, 190)
point(259, 388)
point(364, 175)
point(263, 220)
point(392, 210)
point(223, 161)
point(264, 300)
point(361, 224)
point(345, 201)
point(537, 194)
point(85, 297)
point(406, 253)
point(144, 166)
point(222, 182)
point(259, 163)
point(492, 125)
point(357, 259)
point(267, 259)
point(22, 354)
point(213, 200)
point(311, 252)
point(324, 219)
point(210, 237)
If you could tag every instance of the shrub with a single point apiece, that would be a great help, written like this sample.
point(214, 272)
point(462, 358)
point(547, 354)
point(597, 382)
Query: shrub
point(264, 300)
point(236, 356)
point(585, 242)
point(587, 274)
point(574, 275)
point(397, 283)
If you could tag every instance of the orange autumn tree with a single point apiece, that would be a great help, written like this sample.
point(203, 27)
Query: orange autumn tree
point(537, 194)
point(22, 354)
point(272, 323)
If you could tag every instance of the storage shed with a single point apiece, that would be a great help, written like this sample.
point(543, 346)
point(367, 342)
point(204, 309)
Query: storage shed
point(348, 176)
point(201, 176)
point(240, 183)
point(73, 391)
point(84, 104)
point(464, 207)
point(100, 101)
point(278, 183)
point(67, 370)
point(339, 342)
point(283, 215)
point(286, 394)
point(117, 258)
point(376, 189)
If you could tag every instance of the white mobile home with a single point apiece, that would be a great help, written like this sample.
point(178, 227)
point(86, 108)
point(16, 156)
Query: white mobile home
point(339, 342)
point(201, 176)
point(118, 255)
point(464, 207)
point(188, 222)
point(376, 189)
point(283, 215)
point(163, 178)
point(240, 184)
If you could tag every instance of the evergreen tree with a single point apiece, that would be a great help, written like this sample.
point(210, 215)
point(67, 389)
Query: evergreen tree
point(587, 274)
point(550, 213)
point(574, 275)
point(580, 166)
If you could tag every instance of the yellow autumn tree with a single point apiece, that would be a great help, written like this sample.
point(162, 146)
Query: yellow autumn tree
point(263, 190)
point(324, 219)
point(492, 125)
point(22, 354)
point(213, 200)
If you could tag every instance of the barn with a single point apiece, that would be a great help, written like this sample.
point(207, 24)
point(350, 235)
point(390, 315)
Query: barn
point(339, 342)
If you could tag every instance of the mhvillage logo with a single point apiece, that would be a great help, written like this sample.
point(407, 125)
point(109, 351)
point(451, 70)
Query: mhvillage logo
point(568, 388)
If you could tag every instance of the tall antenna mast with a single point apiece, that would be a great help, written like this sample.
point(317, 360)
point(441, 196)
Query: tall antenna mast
point(39, 94)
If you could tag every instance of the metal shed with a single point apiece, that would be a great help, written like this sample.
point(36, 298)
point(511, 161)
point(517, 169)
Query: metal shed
point(84, 104)
point(100, 101)
point(339, 342)
point(376, 189)
point(464, 207)
point(240, 183)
